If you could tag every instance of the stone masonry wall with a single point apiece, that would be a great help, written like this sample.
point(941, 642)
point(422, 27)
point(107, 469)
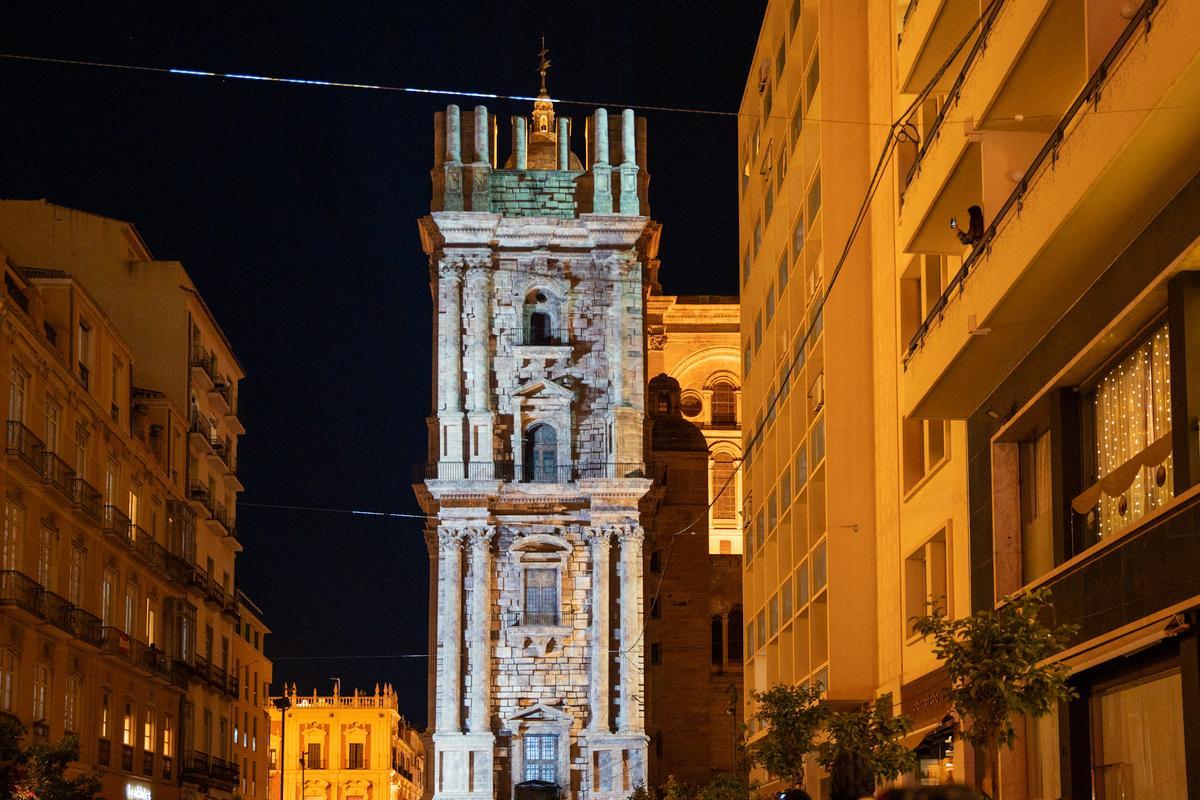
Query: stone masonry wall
point(534, 193)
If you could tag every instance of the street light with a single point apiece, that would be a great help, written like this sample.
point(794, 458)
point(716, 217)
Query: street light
point(283, 704)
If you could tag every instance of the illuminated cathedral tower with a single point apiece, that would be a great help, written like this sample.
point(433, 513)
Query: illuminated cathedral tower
point(539, 272)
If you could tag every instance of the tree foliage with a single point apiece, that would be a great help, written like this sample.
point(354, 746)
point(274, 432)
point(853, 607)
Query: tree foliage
point(726, 787)
point(38, 772)
point(873, 732)
point(793, 717)
point(994, 660)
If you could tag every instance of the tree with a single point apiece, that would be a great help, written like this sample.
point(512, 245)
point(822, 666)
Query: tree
point(38, 772)
point(793, 717)
point(994, 660)
point(640, 793)
point(726, 787)
point(873, 732)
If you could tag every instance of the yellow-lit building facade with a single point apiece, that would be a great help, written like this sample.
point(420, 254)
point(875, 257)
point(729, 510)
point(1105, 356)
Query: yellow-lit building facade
point(251, 721)
point(1027, 370)
point(809, 450)
point(120, 485)
point(343, 747)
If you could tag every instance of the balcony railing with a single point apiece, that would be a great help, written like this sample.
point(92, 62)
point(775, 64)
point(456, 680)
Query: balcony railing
point(59, 474)
point(199, 766)
point(86, 627)
point(553, 337)
point(20, 590)
point(117, 524)
point(198, 492)
point(522, 619)
point(87, 498)
point(56, 610)
point(221, 515)
point(529, 473)
point(205, 361)
point(1047, 155)
point(23, 444)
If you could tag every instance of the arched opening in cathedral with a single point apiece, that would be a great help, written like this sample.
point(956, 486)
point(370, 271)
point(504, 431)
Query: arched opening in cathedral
point(724, 404)
point(716, 631)
point(734, 640)
point(541, 454)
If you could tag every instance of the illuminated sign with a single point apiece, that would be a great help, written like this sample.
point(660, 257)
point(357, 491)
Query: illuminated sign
point(137, 791)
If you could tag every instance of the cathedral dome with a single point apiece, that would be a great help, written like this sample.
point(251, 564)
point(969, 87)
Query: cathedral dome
point(543, 154)
point(669, 431)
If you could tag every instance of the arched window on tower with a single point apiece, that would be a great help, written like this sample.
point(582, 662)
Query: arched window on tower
point(541, 454)
point(724, 404)
point(724, 488)
point(734, 640)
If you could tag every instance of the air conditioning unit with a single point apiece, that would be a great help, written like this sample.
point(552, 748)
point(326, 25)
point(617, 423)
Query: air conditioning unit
point(816, 393)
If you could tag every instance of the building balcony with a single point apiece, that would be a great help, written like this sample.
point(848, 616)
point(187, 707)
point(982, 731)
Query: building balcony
point(23, 444)
point(1096, 182)
point(200, 768)
point(59, 475)
point(21, 591)
point(118, 525)
point(220, 397)
point(203, 364)
point(928, 35)
point(202, 500)
point(88, 500)
point(202, 431)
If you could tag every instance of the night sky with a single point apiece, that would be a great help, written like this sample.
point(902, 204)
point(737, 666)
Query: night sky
point(294, 209)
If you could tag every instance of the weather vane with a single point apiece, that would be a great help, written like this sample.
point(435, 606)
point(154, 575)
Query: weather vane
point(545, 63)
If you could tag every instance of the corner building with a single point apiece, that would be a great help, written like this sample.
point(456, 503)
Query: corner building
point(538, 272)
point(127, 409)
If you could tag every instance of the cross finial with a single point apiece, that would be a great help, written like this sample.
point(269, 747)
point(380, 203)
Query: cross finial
point(544, 66)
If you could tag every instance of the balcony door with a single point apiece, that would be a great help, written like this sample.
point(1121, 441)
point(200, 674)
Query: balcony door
point(541, 454)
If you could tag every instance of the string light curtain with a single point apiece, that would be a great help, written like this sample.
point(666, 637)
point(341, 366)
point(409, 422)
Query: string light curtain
point(1133, 426)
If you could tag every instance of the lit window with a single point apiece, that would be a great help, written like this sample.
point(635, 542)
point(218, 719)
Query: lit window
point(541, 757)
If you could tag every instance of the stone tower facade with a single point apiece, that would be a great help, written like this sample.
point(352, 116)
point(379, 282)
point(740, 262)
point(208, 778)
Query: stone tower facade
point(539, 271)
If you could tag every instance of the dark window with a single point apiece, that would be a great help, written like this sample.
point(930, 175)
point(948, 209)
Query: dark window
point(312, 759)
point(655, 609)
point(718, 644)
point(541, 596)
point(541, 757)
point(539, 328)
point(656, 653)
point(656, 561)
point(734, 643)
point(541, 454)
point(354, 756)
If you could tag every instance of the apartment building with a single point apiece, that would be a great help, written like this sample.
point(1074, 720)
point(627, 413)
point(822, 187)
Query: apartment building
point(251, 719)
point(1060, 333)
point(154, 468)
point(1028, 302)
point(808, 470)
point(343, 747)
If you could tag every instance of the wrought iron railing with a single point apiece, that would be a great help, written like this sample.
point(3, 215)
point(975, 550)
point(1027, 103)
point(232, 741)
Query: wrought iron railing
point(20, 590)
point(87, 498)
point(118, 524)
point(23, 444)
point(59, 474)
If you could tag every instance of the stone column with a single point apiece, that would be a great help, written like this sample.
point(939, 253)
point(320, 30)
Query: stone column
point(632, 639)
point(629, 167)
point(520, 143)
point(481, 135)
point(480, 634)
point(432, 547)
point(450, 371)
point(478, 300)
point(450, 629)
point(564, 143)
point(601, 169)
point(481, 169)
point(598, 692)
point(453, 164)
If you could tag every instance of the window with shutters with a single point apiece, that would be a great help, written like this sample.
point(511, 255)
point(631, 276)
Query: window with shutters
point(541, 757)
point(541, 596)
point(724, 488)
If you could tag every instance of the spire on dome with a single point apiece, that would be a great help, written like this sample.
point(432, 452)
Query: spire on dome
point(543, 106)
